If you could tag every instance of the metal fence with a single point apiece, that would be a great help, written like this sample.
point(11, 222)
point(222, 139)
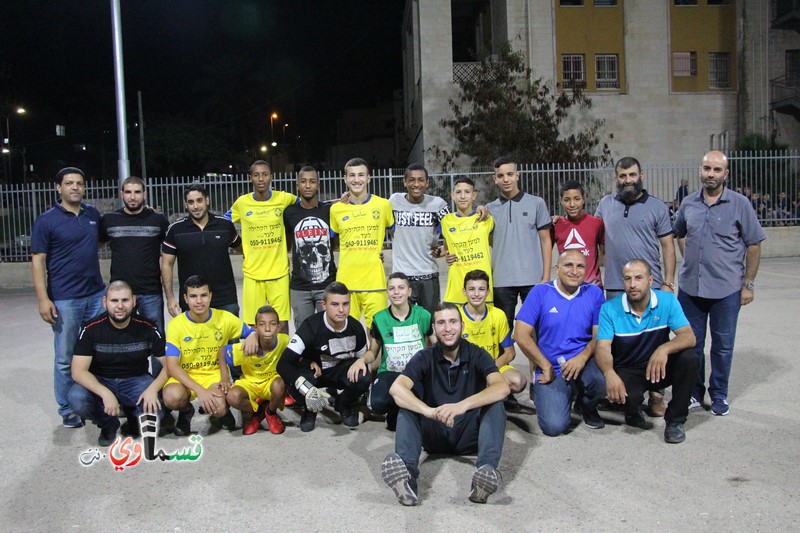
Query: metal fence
point(770, 178)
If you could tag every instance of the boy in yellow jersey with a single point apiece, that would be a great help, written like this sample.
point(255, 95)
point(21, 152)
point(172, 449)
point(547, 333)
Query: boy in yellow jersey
point(486, 326)
point(361, 225)
point(266, 264)
point(467, 241)
point(193, 342)
point(260, 379)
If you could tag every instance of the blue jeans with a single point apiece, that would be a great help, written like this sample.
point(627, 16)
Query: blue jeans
point(127, 390)
point(151, 306)
point(553, 399)
point(505, 299)
point(721, 316)
point(71, 316)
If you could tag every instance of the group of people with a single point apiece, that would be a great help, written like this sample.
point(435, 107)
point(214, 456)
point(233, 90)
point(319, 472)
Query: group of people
point(439, 369)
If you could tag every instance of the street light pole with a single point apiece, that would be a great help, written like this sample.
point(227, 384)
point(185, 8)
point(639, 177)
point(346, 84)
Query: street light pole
point(272, 118)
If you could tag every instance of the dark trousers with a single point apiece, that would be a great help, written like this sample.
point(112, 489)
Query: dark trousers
point(681, 374)
point(481, 430)
point(426, 293)
point(380, 400)
point(336, 377)
point(505, 299)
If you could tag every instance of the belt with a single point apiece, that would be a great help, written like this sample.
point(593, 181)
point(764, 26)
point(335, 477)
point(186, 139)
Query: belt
point(425, 277)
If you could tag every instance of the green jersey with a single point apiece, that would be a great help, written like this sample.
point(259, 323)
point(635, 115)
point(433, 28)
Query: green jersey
point(401, 339)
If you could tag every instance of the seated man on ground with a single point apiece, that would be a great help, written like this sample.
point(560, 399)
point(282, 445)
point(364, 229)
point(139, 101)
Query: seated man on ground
point(110, 366)
point(321, 354)
point(260, 379)
point(635, 353)
point(556, 329)
point(450, 398)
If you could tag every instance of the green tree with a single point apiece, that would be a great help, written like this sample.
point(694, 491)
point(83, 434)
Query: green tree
point(504, 110)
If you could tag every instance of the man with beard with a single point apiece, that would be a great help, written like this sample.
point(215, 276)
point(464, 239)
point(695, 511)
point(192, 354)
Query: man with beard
point(450, 398)
point(635, 353)
point(310, 239)
point(200, 244)
point(635, 223)
point(110, 366)
point(721, 255)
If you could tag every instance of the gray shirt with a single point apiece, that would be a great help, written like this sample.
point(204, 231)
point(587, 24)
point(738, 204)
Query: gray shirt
point(717, 237)
point(633, 232)
point(517, 248)
point(415, 233)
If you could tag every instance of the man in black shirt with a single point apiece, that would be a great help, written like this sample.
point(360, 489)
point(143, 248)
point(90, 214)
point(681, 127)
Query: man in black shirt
point(110, 366)
point(329, 342)
point(309, 238)
point(451, 401)
point(200, 243)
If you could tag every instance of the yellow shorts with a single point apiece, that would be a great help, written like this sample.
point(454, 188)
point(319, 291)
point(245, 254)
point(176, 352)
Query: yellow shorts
point(274, 292)
point(506, 368)
point(370, 302)
point(204, 380)
point(257, 389)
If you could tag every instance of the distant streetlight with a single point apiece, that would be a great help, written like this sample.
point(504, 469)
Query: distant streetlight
point(272, 118)
point(286, 125)
point(263, 147)
point(19, 110)
point(274, 144)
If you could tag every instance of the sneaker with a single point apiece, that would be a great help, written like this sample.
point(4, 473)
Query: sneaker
point(720, 407)
point(349, 418)
point(107, 436)
point(130, 428)
point(694, 403)
point(308, 421)
point(674, 433)
point(512, 404)
point(591, 418)
point(72, 421)
point(167, 424)
point(395, 474)
point(226, 421)
point(532, 393)
point(638, 421)
point(288, 400)
point(252, 426)
point(655, 405)
point(183, 427)
point(275, 424)
point(485, 481)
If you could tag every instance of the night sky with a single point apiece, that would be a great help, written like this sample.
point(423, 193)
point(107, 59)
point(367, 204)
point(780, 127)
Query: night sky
point(216, 68)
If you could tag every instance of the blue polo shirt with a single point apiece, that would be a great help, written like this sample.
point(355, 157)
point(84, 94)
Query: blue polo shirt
point(70, 242)
point(634, 339)
point(717, 237)
point(563, 322)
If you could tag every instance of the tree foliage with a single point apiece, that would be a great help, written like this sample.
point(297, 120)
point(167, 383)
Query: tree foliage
point(504, 110)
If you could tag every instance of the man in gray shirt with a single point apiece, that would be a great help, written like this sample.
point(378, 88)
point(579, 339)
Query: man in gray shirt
point(522, 249)
point(722, 250)
point(416, 216)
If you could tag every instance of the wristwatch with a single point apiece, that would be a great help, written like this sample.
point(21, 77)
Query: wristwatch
point(749, 285)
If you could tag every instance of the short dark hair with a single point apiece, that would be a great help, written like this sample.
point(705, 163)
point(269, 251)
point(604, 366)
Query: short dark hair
point(335, 287)
point(445, 306)
point(195, 187)
point(503, 160)
point(399, 275)
point(464, 179)
point(69, 170)
point(627, 162)
point(259, 162)
point(415, 166)
point(266, 310)
point(638, 261)
point(572, 185)
point(307, 168)
point(136, 180)
point(194, 281)
point(476, 275)
point(356, 162)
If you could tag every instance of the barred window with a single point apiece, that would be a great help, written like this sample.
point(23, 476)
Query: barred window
point(684, 63)
point(607, 71)
point(573, 71)
point(719, 70)
point(605, 2)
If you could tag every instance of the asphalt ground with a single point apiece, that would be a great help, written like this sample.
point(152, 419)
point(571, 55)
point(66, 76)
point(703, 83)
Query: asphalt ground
point(735, 473)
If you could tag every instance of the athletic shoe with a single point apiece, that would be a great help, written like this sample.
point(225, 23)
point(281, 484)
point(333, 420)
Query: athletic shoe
point(72, 421)
point(130, 428)
point(308, 421)
point(107, 436)
point(275, 424)
point(349, 418)
point(183, 427)
point(395, 474)
point(485, 481)
point(674, 433)
point(655, 406)
point(167, 424)
point(720, 407)
point(591, 418)
point(252, 426)
point(226, 421)
point(694, 403)
point(511, 404)
point(638, 421)
point(288, 401)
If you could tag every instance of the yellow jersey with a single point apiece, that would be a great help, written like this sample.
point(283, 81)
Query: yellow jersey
point(468, 239)
point(198, 343)
point(259, 367)
point(490, 332)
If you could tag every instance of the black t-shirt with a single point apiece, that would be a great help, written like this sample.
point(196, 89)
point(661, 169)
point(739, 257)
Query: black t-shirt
point(309, 232)
point(315, 340)
point(135, 247)
point(205, 252)
point(443, 383)
point(119, 353)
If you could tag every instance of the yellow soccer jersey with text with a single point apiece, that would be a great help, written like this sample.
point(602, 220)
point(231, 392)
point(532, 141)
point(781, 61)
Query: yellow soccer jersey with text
point(259, 367)
point(361, 229)
point(492, 333)
point(263, 234)
point(197, 343)
point(469, 240)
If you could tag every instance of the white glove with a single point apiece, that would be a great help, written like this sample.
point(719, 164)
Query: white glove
point(316, 400)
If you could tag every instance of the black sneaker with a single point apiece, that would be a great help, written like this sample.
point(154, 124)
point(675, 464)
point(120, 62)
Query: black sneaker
point(638, 421)
point(349, 418)
point(308, 421)
point(395, 474)
point(72, 421)
point(226, 421)
point(130, 428)
point(183, 427)
point(108, 435)
point(674, 433)
point(512, 404)
point(591, 417)
point(485, 482)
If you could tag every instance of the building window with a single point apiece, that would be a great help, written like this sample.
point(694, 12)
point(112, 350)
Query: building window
point(719, 2)
point(684, 63)
point(793, 68)
point(685, 2)
point(605, 2)
point(573, 71)
point(607, 71)
point(570, 2)
point(719, 70)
